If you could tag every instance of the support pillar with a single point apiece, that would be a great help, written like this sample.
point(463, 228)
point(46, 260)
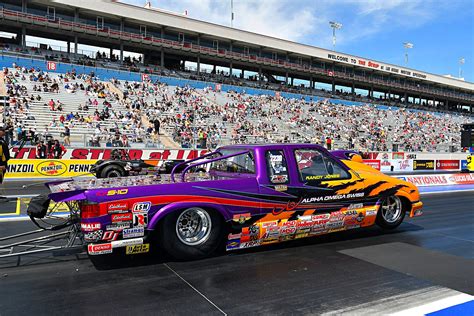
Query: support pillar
point(242, 75)
point(260, 75)
point(111, 52)
point(23, 36)
point(333, 86)
point(292, 81)
point(286, 78)
point(198, 64)
point(24, 6)
point(121, 52)
point(405, 97)
point(353, 90)
point(75, 45)
point(68, 43)
point(230, 69)
point(162, 58)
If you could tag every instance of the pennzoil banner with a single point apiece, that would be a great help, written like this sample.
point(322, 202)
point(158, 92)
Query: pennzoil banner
point(48, 168)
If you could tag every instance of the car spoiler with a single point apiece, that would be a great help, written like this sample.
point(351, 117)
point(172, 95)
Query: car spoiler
point(64, 191)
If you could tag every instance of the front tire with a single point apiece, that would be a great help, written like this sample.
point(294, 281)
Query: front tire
point(391, 212)
point(192, 233)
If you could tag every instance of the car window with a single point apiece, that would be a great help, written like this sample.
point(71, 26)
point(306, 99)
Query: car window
point(243, 163)
point(314, 165)
point(277, 167)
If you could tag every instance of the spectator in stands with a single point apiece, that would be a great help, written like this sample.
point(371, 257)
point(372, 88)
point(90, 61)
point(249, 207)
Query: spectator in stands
point(157, 124)
point(58, 150)
point(328, 143)
point(117, 142)
point(41, 150)
point(51, 105)
point(67, 135)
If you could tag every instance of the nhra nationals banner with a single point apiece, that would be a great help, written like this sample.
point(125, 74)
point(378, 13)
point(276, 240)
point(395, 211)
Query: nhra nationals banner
point(439, 179)
point(47, 168)
point(105, 153)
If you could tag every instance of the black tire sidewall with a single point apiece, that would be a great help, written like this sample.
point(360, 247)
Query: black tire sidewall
point(386, 225)
point(170, 242)
point(108, 169)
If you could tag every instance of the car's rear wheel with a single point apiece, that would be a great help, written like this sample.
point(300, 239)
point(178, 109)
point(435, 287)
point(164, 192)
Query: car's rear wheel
point(191, 233)
point(113, 172)
point(391, 212)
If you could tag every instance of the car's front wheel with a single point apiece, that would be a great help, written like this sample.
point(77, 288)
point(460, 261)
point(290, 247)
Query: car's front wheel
point(391, 212)
point(191, 233)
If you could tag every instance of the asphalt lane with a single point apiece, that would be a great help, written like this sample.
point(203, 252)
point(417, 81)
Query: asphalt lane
point(314, 276)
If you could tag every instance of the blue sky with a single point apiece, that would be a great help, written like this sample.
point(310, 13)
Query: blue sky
point(442, 31)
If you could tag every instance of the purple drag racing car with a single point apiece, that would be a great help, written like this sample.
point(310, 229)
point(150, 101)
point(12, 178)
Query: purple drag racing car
point(251, 195)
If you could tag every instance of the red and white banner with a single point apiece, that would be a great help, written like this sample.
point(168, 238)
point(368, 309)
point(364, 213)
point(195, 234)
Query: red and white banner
point(439, 179)
point(105, 153)
point(51, 65)
point(374, 163)
point(447, 164)
point(145, 77)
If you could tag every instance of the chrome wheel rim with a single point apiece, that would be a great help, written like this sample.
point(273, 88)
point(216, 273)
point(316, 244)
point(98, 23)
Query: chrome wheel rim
point(193, 226)
point(391, 209)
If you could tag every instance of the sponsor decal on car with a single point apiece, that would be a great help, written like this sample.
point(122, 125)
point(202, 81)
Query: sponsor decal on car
point(371, 212)
point(133, 232)
point(140, 219)
point(241, 218)
point(117, 207)
point(110, 235)
point(93, 236)
point(112, 192)
point(118, 226)
point(99, 249)
point(127, 242)
point(89, 227)
point(126, 217)
point(136, 249)
point(233, 244)
point(249, 244)
point(281, 187)
point(234, 236)
point(141, 207)
point(355, 205)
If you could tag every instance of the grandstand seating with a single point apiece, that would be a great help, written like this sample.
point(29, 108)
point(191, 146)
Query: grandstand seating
point(236, 117)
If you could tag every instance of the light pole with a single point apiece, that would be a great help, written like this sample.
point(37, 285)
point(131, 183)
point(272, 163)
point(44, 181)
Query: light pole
point(231, 13)
point(407, 45)
point(334, 25)
point(461, 62)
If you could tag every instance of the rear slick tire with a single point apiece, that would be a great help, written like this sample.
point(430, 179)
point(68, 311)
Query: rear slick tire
point(192, 233)
point(391, 212)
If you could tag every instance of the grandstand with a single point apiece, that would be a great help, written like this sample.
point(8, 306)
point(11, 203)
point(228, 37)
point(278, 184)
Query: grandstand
point(199, 109)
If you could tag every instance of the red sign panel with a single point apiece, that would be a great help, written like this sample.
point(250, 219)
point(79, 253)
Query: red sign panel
point(374, 163)
point(447, 164)
point(51, 65)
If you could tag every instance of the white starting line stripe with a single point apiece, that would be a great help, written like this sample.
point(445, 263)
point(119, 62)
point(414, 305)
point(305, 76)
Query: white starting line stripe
point(436, 306)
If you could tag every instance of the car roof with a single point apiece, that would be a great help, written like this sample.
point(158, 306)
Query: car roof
point(272, 146)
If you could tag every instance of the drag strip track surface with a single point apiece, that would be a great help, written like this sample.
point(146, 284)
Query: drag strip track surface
point(342, 273)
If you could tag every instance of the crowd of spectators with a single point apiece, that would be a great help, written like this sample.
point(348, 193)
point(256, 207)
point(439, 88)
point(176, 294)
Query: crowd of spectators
point(205, 118)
